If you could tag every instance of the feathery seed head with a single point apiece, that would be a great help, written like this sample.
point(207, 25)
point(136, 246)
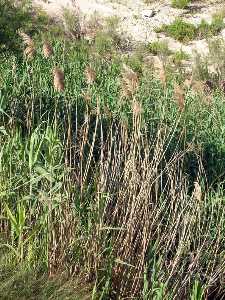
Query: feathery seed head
point(179, 96)
point(130, 81)
point(29, 51)
point(47, 49)
point(29, 44)
point(90, 75)
point(197, 194)
point(136, 107)
point(27, 40)
point(58, 80)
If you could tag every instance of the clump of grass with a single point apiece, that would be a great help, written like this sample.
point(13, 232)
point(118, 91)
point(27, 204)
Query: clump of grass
point(159, 48)
point(208, 30)
point(19, 15)
point(179, 56)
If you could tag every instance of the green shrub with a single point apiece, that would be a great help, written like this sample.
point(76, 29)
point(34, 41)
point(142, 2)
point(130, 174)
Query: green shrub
point(184, 31)
point(180, 30)
point(18, 16)
point(180, 3)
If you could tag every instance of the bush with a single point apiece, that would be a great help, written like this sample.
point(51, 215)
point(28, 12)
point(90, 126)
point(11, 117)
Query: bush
point(14, 16)
point(184, 31)
point(180, 3)
point(180, 30)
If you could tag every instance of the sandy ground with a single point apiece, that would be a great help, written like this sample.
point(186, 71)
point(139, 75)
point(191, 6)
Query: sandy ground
point(138, 20)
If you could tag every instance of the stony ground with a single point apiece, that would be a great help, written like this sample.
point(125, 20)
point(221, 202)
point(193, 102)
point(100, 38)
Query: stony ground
point(139, 20)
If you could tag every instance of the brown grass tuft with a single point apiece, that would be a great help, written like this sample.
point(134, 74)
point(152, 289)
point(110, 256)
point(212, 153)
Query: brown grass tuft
point(204, 90)
point(58, 79)
point(47, 49)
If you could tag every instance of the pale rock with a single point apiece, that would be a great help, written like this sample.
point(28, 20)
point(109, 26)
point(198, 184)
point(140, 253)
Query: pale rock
point(148, 13)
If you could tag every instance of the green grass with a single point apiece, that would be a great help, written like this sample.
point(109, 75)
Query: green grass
point(98, 197)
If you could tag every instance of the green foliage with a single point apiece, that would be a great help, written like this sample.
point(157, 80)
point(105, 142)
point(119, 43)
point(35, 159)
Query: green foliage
point(180, 3)
point(197, 291)
point(15, 16)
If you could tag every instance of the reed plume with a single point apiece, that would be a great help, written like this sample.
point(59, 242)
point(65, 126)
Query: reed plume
point(162, 76)
point(90, 75)
point(197, 193)
point(58, 80)
point(136, 108)
point(29, 50)
point(130, 81)
point(204, 90)
point(47, 49)
point(179, 96)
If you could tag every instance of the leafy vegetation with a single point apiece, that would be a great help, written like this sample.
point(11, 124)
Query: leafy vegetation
point(111, 179)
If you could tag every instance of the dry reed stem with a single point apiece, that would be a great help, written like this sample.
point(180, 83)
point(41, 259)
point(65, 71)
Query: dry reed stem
point(58, 80)
point(47, 49)
point(160, 70)
point(29, 52)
